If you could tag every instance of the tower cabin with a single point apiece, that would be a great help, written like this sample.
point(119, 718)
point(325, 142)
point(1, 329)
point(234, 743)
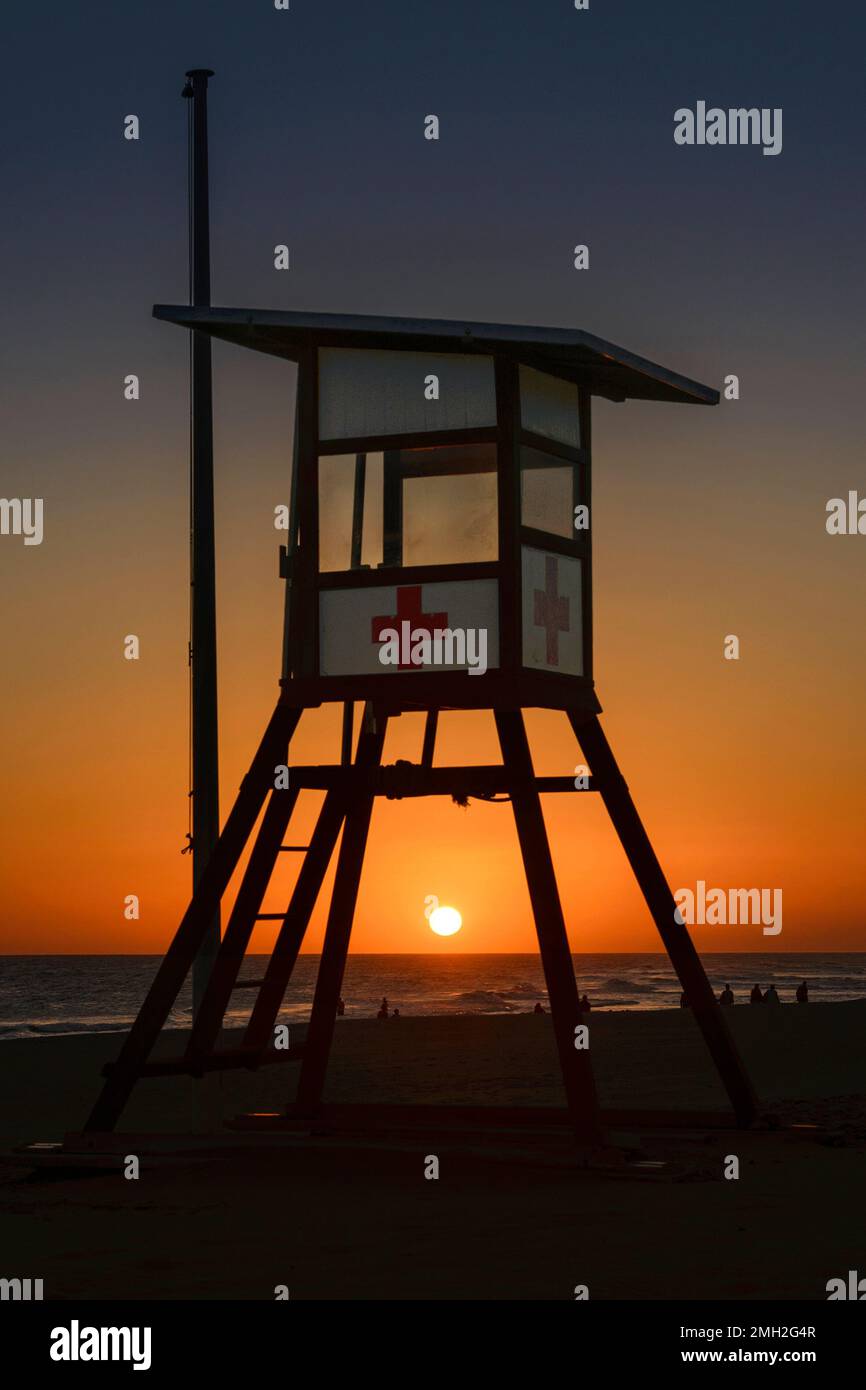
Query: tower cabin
point(441, 485)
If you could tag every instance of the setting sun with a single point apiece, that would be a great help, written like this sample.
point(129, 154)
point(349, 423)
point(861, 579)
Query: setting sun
point(445, 921)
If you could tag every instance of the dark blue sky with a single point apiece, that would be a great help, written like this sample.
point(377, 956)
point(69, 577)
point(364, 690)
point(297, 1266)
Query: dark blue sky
point(556, 128)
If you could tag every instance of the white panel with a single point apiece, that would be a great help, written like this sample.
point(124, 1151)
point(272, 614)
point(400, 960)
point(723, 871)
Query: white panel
point(552, 612)
point(350, 618)
point(364, 394)
point(549, 406)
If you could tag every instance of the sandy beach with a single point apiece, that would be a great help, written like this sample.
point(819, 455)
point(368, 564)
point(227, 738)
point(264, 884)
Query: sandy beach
point(336, 1219)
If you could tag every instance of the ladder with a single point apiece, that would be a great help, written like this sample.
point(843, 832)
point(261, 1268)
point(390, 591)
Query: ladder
point(350, 791)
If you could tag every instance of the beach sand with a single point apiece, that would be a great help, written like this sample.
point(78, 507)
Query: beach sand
point(337, 1219)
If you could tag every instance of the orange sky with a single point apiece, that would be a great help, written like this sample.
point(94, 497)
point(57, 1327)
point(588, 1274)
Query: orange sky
point(706, 522)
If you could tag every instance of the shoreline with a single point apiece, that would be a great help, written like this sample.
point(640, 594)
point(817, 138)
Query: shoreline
point(617, 1011)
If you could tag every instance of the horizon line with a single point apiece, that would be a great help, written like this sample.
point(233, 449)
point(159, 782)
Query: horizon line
point(434, 955)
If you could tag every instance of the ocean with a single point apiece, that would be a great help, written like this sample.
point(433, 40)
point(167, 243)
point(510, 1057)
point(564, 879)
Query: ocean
point(44, 995)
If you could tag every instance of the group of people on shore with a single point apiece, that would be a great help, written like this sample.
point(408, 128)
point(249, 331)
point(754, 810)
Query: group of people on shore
point(726, 998)
point(757, 996)
point(583, 1004)
point(384, 1011)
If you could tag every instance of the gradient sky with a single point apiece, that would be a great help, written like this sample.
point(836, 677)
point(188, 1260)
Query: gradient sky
point(556, 128)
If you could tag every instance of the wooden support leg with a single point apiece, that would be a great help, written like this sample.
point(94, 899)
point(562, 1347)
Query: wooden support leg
point(430, 726)
point(180, 955)
point(257, 876)
point(349, 864)
point(294, 925)
point(346, 736)
point(660, 901)
point(576, 1064)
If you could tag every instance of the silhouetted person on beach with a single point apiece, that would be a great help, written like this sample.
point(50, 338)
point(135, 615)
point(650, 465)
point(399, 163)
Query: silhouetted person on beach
point(341, 1008)
point(771, 997)
point(395, 1013)
point(726, 996)
point(756, 997)
point(585, 1005)
point(383, 1009)
point(803, 993)
point(538, 1009)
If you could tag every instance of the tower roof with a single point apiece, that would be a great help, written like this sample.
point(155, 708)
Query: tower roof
point(607, 370)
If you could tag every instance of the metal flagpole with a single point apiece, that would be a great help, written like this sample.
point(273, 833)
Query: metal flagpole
point(205, 750)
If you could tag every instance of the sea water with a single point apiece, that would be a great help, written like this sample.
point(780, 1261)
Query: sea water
point(44, 995)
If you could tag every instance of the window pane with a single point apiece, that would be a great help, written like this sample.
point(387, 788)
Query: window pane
point(448, 504)
point(408, 507)
point(548, 492)
point(366, 394)
point(552, 611)
point(343, 478)
point(549, 406)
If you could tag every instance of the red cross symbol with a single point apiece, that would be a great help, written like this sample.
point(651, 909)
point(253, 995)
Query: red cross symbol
point(551, 610)
point(409, 611)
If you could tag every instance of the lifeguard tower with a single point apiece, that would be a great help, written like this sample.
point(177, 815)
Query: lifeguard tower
point(439, 557)
point(440, 490)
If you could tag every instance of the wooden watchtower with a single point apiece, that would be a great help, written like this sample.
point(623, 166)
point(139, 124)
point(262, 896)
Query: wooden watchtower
point(441, 485)
point(439, 558)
